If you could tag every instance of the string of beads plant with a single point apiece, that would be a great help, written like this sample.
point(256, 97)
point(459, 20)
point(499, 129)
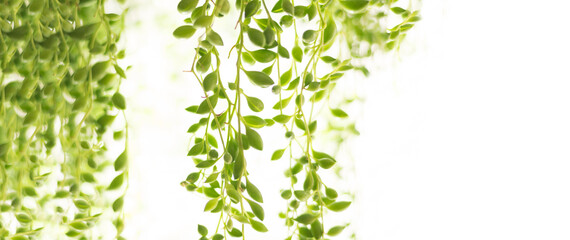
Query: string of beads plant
point(59, 95)
point(299, 50)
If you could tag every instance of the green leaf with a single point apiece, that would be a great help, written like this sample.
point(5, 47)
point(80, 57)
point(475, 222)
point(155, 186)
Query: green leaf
point(301, 195)
point(286, 21)
point(202, 230)
point(354, 5)
point(257, 209)
point(331, 193)
point(30, 191)
point(212, 177)
point(287, 6)
point(214, 38)
point(196, 149)
point(269, 37)
point(233, 194)
point(263, 55)
point(277, 154)
point(87, 177)
point(311, 11)
point(23, 218)
point(246, 57)
point(119, 101)
point(328, 59)
point(211, 204)
point(300, 124)
point(78, 104)
point(121, 161)
point(258, 226)
point(241, 218)
point(286, 194)
point(308, 79)
point(117, 182)
point(204, 21)
point(330, 31)
point(81, 204)
point(253, 192)
point(306, 218)
point(281, 118)
point(336, 230)
point(313, 126)
point(259, 78)
point(205, 164)
point(239, 165)
point(317, 229)
point(203, 64)
point(309, 36)
point(255, 104)
point(118, 204)
point(83, 32)
point(210, 81)
point(254, 139)
point(218, 237)
point(268, 70)
point(338, 206)
point(285, 77)
point(256, 37)
point(235, 232)
point(185, 31)
point(193, 177)
point(187, 5)
point(283, 52)
point(305, 232)
point(99, 69)
point(36, 6)
point(309, 181)
point(297, 53)
point(300, 11)
point(119, 71)
point(326, 163)
point(205, 107)
point(251, 8)
point(338, 113)
point(4, 148)
point(254, 121)
point(79, 225)
point(321, 155)
point(283, 103)
point(398, 10)
point(212, 141)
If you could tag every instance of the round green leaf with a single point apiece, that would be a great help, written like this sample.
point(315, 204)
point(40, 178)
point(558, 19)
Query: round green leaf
point(256, 209)
point(187, 5)
point(121, 161)
point(185, 31)
point(306, 218)
point(254, 121)
point(263, 55)
point(254, 192)
point(255, 104)
point(259, 78)
point(258, 226)
point(119, 101)
point(210, 81)
point(256, 37)
point(338, 206)
point(254, 139)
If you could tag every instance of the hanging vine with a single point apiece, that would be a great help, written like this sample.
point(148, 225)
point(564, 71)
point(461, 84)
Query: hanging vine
point(299, 50)
point(59, 93)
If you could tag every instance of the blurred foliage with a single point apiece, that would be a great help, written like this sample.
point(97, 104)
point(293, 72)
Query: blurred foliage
point(59, 93)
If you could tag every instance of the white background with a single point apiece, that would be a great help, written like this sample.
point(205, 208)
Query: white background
point(465, 133)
